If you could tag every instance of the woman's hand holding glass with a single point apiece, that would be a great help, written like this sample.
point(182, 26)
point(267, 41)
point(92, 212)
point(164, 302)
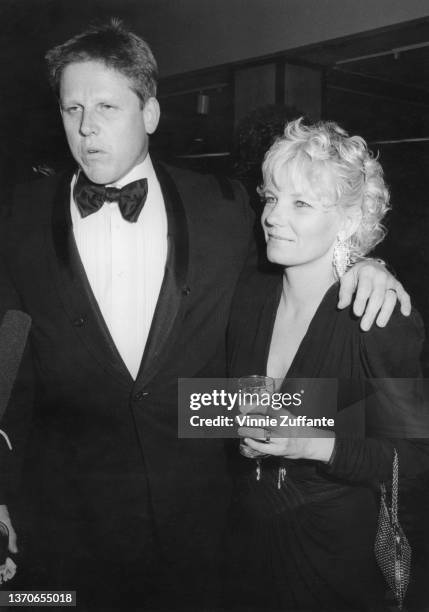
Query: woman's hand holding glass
point(302, 442)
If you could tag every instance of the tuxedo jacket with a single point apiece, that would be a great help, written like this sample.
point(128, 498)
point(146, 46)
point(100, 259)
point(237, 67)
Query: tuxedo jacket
point(104, 455)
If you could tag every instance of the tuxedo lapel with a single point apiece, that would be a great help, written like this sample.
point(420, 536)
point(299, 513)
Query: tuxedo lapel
point(79, 301)
point(75, 291)
point(174, 286)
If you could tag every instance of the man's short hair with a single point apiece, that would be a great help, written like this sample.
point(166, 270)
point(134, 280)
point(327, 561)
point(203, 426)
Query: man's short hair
point(116, 47)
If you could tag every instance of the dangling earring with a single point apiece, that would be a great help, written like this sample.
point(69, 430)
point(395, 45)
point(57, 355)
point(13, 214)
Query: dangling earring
point(341, 257)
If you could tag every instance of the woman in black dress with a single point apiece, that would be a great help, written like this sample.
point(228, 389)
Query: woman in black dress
point(306, 521)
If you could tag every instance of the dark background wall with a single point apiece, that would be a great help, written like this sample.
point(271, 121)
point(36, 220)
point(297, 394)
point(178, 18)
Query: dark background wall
point(186, 35)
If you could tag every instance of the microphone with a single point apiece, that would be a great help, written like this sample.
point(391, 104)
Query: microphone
point(14, 331)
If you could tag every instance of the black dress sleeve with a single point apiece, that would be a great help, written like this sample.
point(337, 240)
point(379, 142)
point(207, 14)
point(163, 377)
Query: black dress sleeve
point(396, 414)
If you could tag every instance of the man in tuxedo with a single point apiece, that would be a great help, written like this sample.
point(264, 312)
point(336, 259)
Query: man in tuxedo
point(127, 268)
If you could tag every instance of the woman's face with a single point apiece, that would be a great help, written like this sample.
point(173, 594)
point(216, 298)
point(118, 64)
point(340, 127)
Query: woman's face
point(300, 220)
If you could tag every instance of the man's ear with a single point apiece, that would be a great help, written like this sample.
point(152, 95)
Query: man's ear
point(151, 113)
point(351, 219)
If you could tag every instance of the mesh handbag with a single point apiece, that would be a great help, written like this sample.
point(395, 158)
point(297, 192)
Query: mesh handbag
point(392, 549)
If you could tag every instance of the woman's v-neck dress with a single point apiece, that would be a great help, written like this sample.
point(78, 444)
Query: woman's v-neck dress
point(308, 542)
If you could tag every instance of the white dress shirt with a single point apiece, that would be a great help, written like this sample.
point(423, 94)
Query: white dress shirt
point(125, 263)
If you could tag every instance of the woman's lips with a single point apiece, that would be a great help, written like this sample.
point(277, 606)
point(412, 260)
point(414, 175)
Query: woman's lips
point(277, 237)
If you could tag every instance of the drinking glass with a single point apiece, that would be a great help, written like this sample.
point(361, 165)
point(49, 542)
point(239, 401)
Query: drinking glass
point(259, 385)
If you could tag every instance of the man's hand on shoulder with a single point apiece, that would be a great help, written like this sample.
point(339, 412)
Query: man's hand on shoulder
point(376, 293)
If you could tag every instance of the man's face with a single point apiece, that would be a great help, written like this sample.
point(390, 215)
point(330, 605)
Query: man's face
point(106, 128)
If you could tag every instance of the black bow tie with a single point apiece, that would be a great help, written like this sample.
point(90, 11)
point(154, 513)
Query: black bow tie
point(90, 197)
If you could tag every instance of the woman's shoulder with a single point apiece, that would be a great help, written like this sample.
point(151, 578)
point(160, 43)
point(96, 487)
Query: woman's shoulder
point(391, 351)
point(399, 328)
point(395, 350)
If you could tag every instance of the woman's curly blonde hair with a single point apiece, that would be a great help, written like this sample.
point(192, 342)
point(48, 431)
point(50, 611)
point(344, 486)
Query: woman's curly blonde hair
point(358, 175)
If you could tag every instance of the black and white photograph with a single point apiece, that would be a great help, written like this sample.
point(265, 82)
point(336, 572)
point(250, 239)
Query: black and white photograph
point(214, 304)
